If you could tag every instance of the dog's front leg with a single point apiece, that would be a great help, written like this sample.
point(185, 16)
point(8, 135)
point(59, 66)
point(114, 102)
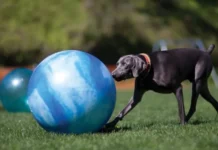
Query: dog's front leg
point(135, 99)
point(179, 95)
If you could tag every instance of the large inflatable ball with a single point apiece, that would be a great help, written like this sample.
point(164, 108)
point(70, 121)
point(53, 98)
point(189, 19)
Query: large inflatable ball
point(13, 90)
point(71, 92)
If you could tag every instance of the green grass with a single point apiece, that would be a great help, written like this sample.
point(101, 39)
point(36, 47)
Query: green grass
point(153, 124)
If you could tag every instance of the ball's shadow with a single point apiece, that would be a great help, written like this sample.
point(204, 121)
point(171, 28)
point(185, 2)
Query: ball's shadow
point(1, 108)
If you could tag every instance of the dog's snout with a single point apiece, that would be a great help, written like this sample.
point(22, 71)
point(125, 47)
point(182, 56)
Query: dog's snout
point(113, 74)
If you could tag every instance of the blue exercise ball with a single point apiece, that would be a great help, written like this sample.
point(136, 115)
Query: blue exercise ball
point(71, 92)
point(13, 90)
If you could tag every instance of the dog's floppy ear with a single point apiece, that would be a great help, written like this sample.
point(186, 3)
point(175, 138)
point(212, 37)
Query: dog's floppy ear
point(138, 67)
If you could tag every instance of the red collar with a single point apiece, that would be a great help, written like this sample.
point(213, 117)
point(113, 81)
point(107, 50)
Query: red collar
point(148, 61)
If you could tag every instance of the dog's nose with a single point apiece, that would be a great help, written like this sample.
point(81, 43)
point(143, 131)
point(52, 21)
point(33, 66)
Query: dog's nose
point(113, 74)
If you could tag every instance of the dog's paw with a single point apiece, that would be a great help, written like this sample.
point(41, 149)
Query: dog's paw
point(107, 129)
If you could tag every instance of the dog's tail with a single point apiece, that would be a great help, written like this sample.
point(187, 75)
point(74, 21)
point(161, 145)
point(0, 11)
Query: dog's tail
point(210, 48)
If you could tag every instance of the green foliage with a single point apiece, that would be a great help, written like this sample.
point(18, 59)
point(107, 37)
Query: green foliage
point(113, 30)
point(153, 124)
point(104, 28)
point(42, 26)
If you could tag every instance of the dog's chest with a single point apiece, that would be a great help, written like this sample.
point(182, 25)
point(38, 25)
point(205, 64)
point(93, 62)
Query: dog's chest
point(154, 86)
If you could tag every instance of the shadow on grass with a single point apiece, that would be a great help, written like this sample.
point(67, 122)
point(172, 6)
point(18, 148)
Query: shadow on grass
point(199, 122)
point(114, 130)
point(1, 108)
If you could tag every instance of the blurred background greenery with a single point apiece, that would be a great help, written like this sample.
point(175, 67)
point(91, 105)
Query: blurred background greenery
point(31, 30)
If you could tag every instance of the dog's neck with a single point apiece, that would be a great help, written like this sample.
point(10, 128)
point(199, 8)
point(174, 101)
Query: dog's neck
point(147, 60)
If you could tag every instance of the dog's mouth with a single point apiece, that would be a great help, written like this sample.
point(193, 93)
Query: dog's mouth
point(118, 79)
point(122, 77)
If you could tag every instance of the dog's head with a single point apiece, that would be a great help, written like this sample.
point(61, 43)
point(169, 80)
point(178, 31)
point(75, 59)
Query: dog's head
point(129, 66)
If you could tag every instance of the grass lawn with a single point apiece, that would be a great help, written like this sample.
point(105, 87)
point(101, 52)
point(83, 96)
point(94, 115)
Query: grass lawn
point(153, 124)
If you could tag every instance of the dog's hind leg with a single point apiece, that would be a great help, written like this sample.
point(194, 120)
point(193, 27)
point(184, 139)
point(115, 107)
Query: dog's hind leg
point(199, 85)
point(179, 95)
point(195, 93)
point(205, 93)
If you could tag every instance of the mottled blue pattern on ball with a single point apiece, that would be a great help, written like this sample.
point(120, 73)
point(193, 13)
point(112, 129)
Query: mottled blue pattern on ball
point(71, 92)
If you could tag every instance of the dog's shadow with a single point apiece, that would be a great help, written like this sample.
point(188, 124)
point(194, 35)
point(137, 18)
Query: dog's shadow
point(150, 125)
point(114, 130)
point(199, 122)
